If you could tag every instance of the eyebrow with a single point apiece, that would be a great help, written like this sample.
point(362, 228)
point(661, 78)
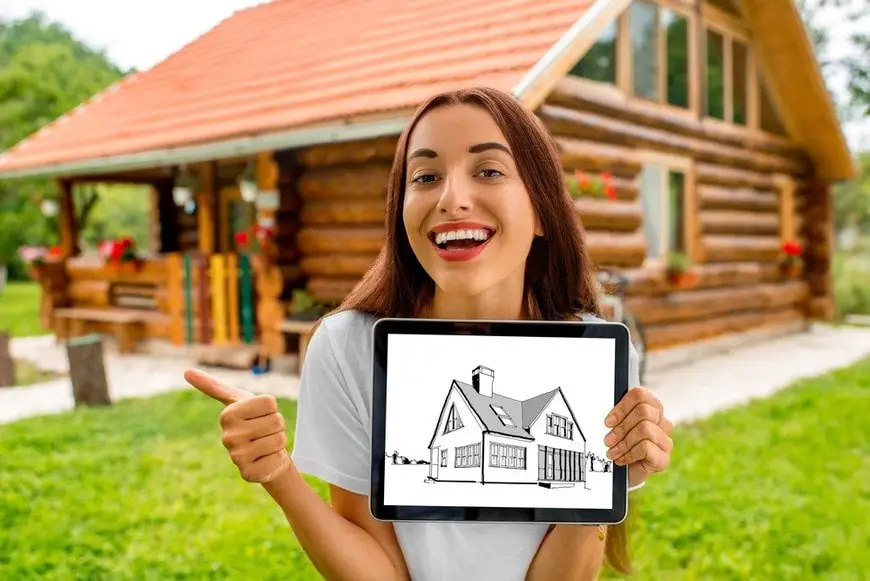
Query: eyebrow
point(476, 148)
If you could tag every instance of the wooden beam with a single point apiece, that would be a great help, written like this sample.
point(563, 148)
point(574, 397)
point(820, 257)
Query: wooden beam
point(67, 223)
point(206, 206)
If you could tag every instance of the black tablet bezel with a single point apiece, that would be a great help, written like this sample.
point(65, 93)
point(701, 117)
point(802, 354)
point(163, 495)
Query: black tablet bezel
point(387, 326)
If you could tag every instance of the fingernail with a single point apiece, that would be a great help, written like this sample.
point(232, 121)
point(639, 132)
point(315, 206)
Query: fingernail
point(610, 421)
point(609, 438)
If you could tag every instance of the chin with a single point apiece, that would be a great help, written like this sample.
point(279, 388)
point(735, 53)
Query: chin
point(463, 282)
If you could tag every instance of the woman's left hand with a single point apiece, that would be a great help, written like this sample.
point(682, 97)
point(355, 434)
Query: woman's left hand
point(640, 435)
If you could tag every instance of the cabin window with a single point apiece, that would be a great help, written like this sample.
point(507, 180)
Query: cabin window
point(660, 49)
point(453, 420)
point(467, 456)
point(739, 81)
point(560, 426)
point(642, 17)
point(715, 75)
point(677, 63)
point(507, 456)
point(599, 63)
point(444, 458)
point(663, 192)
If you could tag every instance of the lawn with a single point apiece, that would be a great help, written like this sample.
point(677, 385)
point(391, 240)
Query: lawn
point(778, 489)
point(19, 309)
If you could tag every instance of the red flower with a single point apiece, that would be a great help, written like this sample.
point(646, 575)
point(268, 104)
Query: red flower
point(611, 192)
point(792, 248)
point(55, 251)
point(241, 238)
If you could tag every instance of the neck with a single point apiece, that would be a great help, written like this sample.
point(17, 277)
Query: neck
point(504, 302)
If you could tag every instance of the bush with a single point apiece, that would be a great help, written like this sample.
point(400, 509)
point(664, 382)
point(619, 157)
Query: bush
point(852, 283)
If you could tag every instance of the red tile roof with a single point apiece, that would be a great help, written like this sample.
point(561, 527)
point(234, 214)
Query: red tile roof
point(291, 63)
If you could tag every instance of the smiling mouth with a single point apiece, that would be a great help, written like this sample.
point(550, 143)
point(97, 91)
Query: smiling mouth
point(461, 239)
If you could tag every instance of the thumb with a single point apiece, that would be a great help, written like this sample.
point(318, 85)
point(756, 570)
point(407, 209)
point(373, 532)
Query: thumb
point(211, 387)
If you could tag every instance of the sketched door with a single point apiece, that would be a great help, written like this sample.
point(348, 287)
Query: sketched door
point(434, 459)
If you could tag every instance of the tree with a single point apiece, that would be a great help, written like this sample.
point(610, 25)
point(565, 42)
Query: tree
point(46, 73)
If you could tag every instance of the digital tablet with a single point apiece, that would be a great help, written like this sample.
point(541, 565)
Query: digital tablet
point(496, 421)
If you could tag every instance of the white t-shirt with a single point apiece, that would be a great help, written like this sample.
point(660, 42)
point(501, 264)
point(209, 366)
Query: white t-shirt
point(333, 441)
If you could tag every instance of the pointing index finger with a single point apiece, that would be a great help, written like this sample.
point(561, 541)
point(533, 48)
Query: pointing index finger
point(211, 387)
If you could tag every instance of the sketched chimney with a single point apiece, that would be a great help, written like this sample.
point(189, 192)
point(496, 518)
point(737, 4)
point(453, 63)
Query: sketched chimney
point(482, 379)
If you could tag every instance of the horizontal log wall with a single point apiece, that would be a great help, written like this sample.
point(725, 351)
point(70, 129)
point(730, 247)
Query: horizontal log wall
point(738, 225)
point(341, 190)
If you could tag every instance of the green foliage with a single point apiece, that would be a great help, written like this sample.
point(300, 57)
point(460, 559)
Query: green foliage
point(852, 199)
point(678, 262)
point(19, 309)
point(851, 271)
point(47, 72)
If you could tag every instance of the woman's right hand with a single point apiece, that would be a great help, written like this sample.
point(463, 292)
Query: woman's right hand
point(253, 428)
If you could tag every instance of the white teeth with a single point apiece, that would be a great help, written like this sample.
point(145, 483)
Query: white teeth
point(477, 234)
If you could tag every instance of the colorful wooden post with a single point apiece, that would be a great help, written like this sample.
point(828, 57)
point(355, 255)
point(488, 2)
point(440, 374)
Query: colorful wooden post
point(188, 299)
point(202, 287)
point(175, 299)
point(217, 274)
point(233, 309)
point(247, 302)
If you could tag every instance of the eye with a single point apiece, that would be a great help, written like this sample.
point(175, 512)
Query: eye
point(426, 178)
point(490, 173)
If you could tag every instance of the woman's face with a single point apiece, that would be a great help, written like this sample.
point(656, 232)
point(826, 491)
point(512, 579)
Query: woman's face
point(467, 213)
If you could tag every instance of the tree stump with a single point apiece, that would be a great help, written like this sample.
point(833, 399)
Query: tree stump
point(87, 371)
point(7, 366)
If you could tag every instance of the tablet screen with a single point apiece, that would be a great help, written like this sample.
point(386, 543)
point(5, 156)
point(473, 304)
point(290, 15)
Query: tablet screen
point(498, 421)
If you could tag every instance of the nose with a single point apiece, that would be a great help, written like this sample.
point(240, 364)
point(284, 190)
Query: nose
point(456, 198)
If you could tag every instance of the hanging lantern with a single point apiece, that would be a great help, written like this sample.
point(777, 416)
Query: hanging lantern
point(48, 207)
point(248, 183)
point(183, 190)
point(181, 195)
point(248, 189)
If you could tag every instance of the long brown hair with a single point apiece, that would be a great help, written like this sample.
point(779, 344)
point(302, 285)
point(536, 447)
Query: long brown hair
point(559, 278)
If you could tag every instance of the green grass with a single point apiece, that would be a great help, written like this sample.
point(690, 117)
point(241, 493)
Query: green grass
point(26, 373)
point(778, 489)
point(19, 309)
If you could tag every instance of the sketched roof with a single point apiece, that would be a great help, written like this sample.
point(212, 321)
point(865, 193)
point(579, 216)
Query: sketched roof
point(522, 413)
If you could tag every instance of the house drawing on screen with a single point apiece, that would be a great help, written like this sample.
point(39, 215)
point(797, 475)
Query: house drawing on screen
point(485, 437)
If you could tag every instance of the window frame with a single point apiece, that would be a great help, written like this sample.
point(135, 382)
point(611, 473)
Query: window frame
point(625, 61)
point(685, 165)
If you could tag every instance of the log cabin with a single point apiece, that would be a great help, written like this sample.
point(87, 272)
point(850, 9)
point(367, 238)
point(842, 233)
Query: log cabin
point(697, 136)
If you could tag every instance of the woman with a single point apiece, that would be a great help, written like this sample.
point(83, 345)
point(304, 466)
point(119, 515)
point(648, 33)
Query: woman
point(473, 160)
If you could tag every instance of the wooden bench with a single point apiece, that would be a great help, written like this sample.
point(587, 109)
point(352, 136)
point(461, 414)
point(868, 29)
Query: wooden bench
point(125, 323)
point(301, 328)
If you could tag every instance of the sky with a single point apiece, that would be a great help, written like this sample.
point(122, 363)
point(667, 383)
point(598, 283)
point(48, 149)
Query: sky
point(139, 34)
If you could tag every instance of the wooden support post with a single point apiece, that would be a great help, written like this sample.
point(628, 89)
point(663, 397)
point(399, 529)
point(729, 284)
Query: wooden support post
point(233, 297)
point(7, 365)
point(87, 371)
point(175, 298)
point(218, 297)
point(269, 280)
point(67, 220)
point(206, 215)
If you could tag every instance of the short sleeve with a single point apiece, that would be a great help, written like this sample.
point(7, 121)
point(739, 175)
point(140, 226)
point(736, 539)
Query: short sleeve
point(633, 367)
point(331, 442)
